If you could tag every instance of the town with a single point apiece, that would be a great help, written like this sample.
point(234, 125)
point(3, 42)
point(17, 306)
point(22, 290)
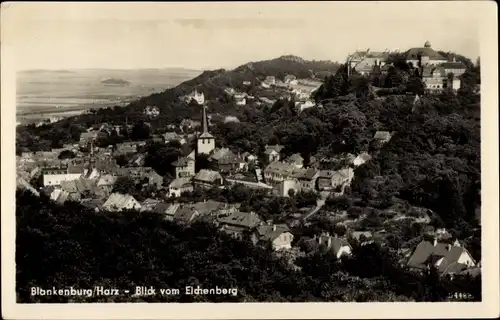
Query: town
point(305, 199)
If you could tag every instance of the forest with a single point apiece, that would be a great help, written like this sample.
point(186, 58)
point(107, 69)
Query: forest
point(70, 246)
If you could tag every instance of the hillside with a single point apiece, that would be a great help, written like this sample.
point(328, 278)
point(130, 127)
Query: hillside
point(115, 82)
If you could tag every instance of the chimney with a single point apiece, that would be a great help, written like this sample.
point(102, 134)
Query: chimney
point(448, 247)
point(435, 241)
point(329, 242)
point(274, 227)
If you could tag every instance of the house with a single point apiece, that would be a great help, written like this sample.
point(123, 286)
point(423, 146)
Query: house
point(296, 159)
point(288, 184)
point(363, 62)
point(303, 105)
point(306, 178)
point(329, 179)
point(229, 119)
point(54, 176)
point(208, 179)
point(454, 67)
point(250, 184)
point(189, 123)
point(278, 235)
point(179, 186)
point(173, 136)
point(185, 214)
point(167, 209)
point(184, 167)
point(87, 138)
point(362, 236)
point(270, 80)
point(434, 78)
point(225, 160)
point(382, 136)
point(290, 79)
point(79, 188)
point(93, 204)
point(126, 148)
point(240, 99)
point(248, 157)
point(59, 196)
point(419, 57)
point(149, 204)
point(137, 160)
point(361, 158)
point(278, 171)
point(144, 175)
point(118, 202)
point(247, 83)
point(447, 258)
point(340, 247)
point(105, 184)
point(239, 222)
point(152, 111)
point(273, 152)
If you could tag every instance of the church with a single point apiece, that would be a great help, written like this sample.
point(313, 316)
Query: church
point(206, 141)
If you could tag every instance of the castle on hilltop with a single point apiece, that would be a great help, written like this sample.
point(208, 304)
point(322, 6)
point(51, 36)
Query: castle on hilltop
point(436, 71)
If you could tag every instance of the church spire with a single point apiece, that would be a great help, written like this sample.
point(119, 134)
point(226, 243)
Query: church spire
point(204, 120)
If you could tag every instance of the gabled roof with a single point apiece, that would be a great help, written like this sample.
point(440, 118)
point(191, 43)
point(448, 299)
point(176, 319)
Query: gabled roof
point(92, 203)
point(219, 153)
point(382, 135)
point(185, 214)
point(305, 174)
point(426, 252)
point(118, 200)
point(453, 65)
point(180, 182)
point(296, 157)
point(209, 206)
point(335, 243)
point(161, 207)
point(182, 162)
point(280, 168)
point(107, 180)
point(267, 233)
point(247, 220)
point(207, 175)
point(428, 71)
point(414, 53)
point(364, 156)
point(277, 148)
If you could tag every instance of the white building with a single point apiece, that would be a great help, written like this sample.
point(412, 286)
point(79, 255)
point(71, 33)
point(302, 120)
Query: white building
point(118, 202)
point(54, 176)
point(206, 141)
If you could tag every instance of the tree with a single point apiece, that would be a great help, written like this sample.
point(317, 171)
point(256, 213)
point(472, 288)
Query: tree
point(124, 185)
point(66, 154)
point(140, 131)
point(415, 85)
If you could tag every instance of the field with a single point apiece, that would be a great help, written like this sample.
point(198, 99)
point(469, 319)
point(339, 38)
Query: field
point(43, 93)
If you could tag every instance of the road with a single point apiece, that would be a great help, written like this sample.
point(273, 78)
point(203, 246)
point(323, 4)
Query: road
point(319, 204)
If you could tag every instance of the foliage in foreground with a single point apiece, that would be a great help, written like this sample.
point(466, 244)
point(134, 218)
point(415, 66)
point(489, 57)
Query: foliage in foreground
point(70, 246)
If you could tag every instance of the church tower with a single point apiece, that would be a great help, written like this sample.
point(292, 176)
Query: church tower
point(206, 141)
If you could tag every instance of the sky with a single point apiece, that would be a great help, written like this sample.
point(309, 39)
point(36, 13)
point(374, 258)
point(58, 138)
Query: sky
point(214, 35)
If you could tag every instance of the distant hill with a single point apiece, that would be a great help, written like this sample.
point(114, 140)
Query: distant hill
point(115, 82)
point(212, 83)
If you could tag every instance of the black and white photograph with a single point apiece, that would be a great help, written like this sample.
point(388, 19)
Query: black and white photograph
point(179, 154)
